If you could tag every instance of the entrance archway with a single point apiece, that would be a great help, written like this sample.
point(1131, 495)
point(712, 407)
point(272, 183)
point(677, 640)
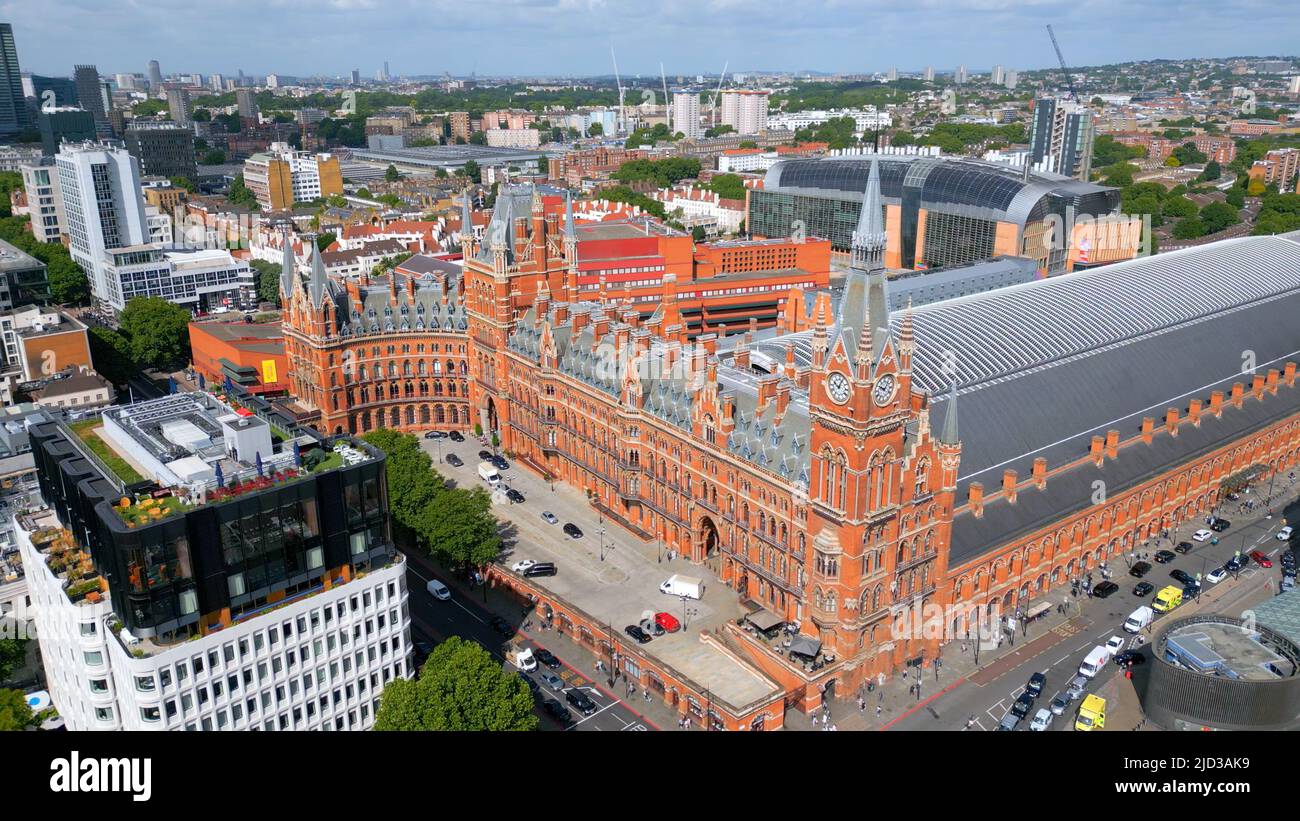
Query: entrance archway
point(706, 544)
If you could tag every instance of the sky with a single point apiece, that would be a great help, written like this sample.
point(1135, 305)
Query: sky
point(573, 37)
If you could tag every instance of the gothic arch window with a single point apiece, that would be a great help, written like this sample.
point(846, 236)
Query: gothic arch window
point(922, 477)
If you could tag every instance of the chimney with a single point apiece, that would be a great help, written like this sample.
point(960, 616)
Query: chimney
point(1112, 444)
point(753, 324)
point(1238, 390)
point(728, 413)
point(1096, 451)
point(580, 321)
point(782, 396)
point(1009, 485)
point(1171, 421)
point(766, 390)
point(1257, 386)
point(1148, 426)
point(1216, 403)
point(1272, 380)
point(709, 342)
point(600, 328)
point(1194, 411)
point(561, 313)
point(1040, 472)
point(742, 357)
point(976, 499)
point(1289, 374)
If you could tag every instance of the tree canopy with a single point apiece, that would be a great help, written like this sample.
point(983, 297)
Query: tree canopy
point(157, 332)
point(663, 172)
point(12, 652)
point(461, 687)
point(268, 280)
point(16, 715)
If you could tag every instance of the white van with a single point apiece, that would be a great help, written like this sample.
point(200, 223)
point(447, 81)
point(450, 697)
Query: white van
point(438, 590)
point(488, 472)
point(678, 585)
point(1094, 662)
point(1138, 620)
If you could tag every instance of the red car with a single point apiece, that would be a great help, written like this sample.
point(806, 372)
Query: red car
point(1261, 559)
point(667, 622)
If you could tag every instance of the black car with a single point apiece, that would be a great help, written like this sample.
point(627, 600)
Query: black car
point(1143, 588)
point(540, 569)
point(422, 651)
point(502, 626)
point(557, 711)
point(1139, 570)
point(515, 496)
point(454, 460)
point(1036, 684)
point(637, 633)
point(532, 685)
point(1104, 589)
point(571, 530)
point(1191, 591)
point(1183, 547)
point(435, 434)
point(1182, 576)
point(1165, 556)
point(581, 702)
point(500, 462)
point(456, 436)
point(1236, 563)
point(1220, 525)
point(485, 455)
point(1129, 658)
point(1022, 706)
point(547, 658)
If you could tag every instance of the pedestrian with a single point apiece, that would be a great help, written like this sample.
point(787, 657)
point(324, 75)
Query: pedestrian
point(878, 710)
point(814, 720)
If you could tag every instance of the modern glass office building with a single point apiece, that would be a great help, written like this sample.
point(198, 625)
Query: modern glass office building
point(938, 211)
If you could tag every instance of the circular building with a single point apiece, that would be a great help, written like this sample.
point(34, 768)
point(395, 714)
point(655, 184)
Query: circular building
point(1219, 672)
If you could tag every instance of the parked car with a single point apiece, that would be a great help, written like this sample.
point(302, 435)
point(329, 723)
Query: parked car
point(1165, 556)
point(1236, 563)
point(526, 660)
point(541, 569)
point(651, 627)
point(1036, 684)
point(549, 517)
point(1183, 547)
point(514, 496)
point(1220, 525)
point(1104, 589)
point(435, 434)
point(1115, 643)
point(1216, 575)
point(1059, 705)
point(456, 436)
point(637, 633)
point(581, 702)
point(572, 531)
point(500, 462)
point(547, 658)
point(1008, 722)
point(454, 460)
point(1261, 559)
point(557, 711)
point(1183, 576)
point(1042, 720)
point(1143, 588)
point(1139, 570)
point(1202, 534)
point(667, 622)
point(553, 681)
point(533, 687)
point(1023, 705)
point(522, 565)
point(438, 590)
point(485, 455)
point(1130, 658)
point(1284, 534)
point(502, 626)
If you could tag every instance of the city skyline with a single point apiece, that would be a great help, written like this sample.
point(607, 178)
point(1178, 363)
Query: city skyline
point(854, 37)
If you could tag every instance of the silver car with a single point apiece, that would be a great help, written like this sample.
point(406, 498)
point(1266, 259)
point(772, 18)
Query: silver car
point(553, 681)
point(1059, 704)
point(1076, 688)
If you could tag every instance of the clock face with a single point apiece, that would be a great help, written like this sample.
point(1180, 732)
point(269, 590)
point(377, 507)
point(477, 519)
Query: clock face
point(884, 390)
point(837, 385)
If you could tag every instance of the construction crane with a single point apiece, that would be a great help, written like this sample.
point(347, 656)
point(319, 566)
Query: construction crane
point(621, 125)
point(713, 101)
point(668, 108)
point(1074, 95)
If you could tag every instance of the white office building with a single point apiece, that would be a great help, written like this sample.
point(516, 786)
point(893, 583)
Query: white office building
point(864, 119)
point(44, 199)
point(686, 113)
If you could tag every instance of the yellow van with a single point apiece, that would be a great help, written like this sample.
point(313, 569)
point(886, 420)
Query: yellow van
point(1092, 714)
point(1167, 599)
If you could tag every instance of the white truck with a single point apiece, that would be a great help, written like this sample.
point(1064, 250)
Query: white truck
point(525, 660)
point(679, 585)
point(1094, 662)
point(1139, 619)
point(488, 472)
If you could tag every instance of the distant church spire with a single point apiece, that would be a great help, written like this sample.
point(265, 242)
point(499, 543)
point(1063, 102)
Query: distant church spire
point(869, 239)
point(948, 435)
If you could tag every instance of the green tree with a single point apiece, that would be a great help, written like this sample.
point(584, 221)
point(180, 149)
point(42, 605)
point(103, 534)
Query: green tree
point(1212, 172)
point(1218, 216)
point(158, 332)
point(111, 353)
point(748, 144)
point(1178, 207)
point(184, 182)
point(473, 171)
point(325, 240)
point(478, 138)
point(12, 653)
point(10, 181)
point(1190, 228)
point(68, 283)
point(729, 186)
point(214, 157)
point(1236, 198)
point(16, 715)
point(1119, 174)
point(595, 130)
point(268, 280)
point(392, 174)
point(412, 481)
point(718, 130)
point(460, 688)
point(1189, 154)
point(698, 233)
point(241, 194)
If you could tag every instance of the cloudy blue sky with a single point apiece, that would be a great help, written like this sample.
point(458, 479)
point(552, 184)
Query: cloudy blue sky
point(573, 36)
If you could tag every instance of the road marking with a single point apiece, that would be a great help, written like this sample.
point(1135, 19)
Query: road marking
point(1061, 659)
point(593, 715)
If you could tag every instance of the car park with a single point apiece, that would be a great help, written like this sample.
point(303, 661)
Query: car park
point(1216, 575)
point(557, 711)
point(522, 565)
point(1130, 658)
point(1104, 589)
point(541, 569)
point(1165, 556)
point(1261, 559)
point(1183, 547)
point(548, 659)
point(581, 702)
point(1284, 534)
point(1220, 525)
point(1035, 685)
point(549, 517)
point(1143, 588)
point(1023, 705)
point(641, 636)
point(1201, 535)
point(1139, 569)
point(553, 681)
point(1042, 720)
point(456, 436)
point(572, 531)
point(454, 460)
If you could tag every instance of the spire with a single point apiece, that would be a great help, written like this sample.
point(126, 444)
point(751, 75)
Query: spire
point(869, 238)
point(319, 282)
point(466, 222)
point(570, 228)
point(948, 435)
point(288, 267)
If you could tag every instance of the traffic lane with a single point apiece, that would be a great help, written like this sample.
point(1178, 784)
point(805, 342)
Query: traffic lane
point(453, 617)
